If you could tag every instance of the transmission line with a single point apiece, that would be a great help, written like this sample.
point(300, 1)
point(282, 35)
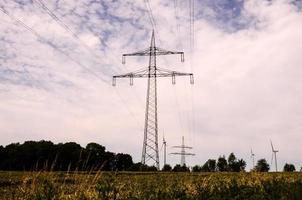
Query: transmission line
point(151, 18)
point(68, 29)
point(50, 43)
point(18, 21)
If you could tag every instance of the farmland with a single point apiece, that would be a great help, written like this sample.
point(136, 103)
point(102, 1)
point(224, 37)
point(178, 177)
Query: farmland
point(160, 185)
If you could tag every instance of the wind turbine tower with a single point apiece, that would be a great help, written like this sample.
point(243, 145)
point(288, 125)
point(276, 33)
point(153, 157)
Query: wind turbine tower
point(253, 158)
point(274, 156)
point(183, 152)
point(165, 150)
point(150, 153)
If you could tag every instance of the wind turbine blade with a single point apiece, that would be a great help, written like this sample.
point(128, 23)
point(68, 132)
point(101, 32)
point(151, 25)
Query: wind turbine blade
point(161, 146)
point(272, 145)
point(272, 158)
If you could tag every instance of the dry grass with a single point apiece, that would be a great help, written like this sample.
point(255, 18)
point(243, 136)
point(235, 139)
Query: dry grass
point(98, 185)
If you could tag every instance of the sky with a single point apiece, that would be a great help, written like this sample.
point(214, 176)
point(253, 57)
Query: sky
point(57, 60)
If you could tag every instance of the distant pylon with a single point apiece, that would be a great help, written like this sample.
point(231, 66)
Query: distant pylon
point(182, 152)
point(150, 144)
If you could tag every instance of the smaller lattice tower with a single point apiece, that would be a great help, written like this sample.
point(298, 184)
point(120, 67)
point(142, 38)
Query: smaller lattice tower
point(183, 152)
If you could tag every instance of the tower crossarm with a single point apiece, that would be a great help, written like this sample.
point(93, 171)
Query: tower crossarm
point(160, 51)
point(154, 51)
point(186, 147)
point(145, 52)
point(144, 73)
point(181, 153)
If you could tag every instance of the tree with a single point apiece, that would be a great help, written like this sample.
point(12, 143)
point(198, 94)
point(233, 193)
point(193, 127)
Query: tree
point(289, 167)
point(196, 168)
point(222, 164)
point(232, 163)
point(95, 158)
point(262, 166)
point(151, 168)
point(235, 165)
point(44, 155)
point(241, 164)
point(209, 166)
point(123, 162)
point(179, 168)
point(137, 167)
point(212, 165)
point(166, 168)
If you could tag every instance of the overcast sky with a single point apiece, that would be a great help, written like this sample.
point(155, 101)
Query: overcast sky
point(55, 76)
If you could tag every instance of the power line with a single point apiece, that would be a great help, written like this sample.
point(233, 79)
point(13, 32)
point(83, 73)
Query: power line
point(68, 29)
point(151, 18)
point(176, 16)
point(192, 26)
point(50, 43)
point(64, 53)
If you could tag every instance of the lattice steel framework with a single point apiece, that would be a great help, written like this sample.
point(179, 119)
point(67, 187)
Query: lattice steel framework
point(150, 153)
point(183, 152)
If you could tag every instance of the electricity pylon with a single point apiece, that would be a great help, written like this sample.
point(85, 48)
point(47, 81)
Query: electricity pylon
point(150, 144)
point(183, 152)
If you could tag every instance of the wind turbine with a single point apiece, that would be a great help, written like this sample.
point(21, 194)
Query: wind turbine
point(253, 158)
point(165, 148)
point(274, 154)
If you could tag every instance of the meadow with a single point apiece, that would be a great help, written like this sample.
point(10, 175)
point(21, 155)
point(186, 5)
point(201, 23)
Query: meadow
point(145, 185)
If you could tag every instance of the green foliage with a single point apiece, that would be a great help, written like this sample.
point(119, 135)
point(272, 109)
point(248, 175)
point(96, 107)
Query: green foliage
point(209, 166)
point(196, 168)
point(262, 166)
point(166, 168)
point(180, 168)
point(289, 167)
point(44, 155)
point(235, 165)
point(123, 162)
point(222, 164)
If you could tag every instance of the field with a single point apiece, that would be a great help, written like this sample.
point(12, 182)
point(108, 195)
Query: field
point(62, 185)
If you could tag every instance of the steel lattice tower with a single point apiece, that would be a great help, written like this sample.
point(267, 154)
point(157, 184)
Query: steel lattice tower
point(183, 152)
point(150, 144)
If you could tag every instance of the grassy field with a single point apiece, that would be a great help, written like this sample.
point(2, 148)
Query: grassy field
point(62, 185)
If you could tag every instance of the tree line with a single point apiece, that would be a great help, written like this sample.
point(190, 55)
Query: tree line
point(45, 155)
point(70, 156)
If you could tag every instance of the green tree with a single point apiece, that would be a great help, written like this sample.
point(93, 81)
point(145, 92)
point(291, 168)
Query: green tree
point(241, 164)
point(222, 164)
point(232, 163)
point(123, 161)
point(212, 165)
point(289, 167)
point(262, 166)
point(196, 168)
point(151, 168)
point(180, 168)
point(95, 158)
point(166, 168)
point(209, 166)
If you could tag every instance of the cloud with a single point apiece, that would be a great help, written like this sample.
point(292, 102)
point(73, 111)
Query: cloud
point(246, 63)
